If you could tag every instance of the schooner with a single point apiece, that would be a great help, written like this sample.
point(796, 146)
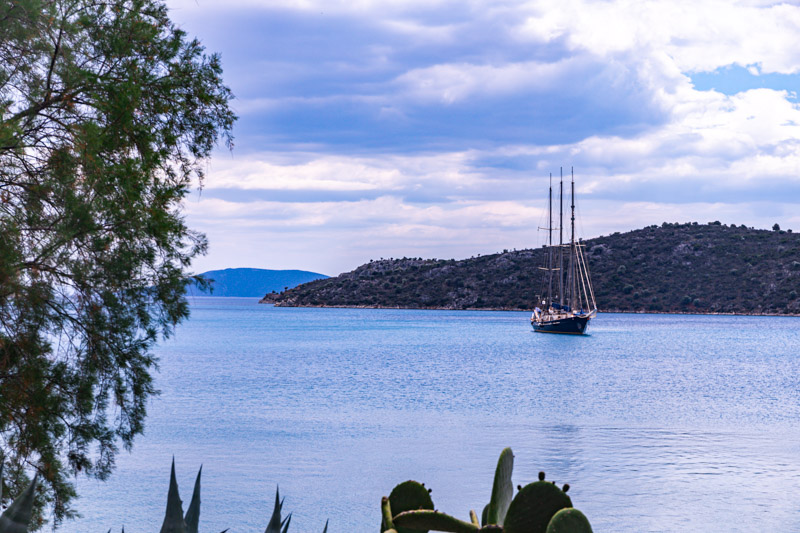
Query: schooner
point(566, 295)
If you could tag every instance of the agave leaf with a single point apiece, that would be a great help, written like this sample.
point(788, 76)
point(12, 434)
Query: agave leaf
point(326, 527)
point(286, 523)
point(502, 490)
point(173, 518)
point(192, 517)
point(274, 525)
point(18, 515)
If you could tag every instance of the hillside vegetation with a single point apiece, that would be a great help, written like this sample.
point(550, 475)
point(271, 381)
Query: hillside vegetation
point(689, 268)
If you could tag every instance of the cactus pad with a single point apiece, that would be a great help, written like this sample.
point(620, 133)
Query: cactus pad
point(569, 520)
point(534, 506)
point(502, 490)
point(409, 496)
point(427, 519)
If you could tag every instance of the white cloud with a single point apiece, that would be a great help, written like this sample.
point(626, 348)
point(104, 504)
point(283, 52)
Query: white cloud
point(698, 35)
point(319, 172)
point(449, 83)
point(706, 155)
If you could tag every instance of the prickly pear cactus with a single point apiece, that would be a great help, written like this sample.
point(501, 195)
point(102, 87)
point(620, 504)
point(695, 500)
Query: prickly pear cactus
point(427, 519)
point(569, 520)
point(408, 496)
point(533, 507)
point(502, 490)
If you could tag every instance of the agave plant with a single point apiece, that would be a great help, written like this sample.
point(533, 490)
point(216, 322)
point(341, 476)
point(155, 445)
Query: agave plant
point(539, 507)
point(174, 519)
point(276, 525)
point(176, 522)
point(17, 518)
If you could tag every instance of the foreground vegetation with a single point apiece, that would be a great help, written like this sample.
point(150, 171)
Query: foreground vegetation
point(675, 268)
point(539, 507)
point(108, 112)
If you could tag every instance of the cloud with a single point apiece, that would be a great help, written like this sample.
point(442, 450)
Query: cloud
point(429, 128)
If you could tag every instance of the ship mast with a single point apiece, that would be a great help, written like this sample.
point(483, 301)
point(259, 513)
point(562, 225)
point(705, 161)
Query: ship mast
point(561, 239)
point(573, 286)
point(550, 243)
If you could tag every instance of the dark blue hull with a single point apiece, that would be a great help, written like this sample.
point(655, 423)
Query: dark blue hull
point(573, 325)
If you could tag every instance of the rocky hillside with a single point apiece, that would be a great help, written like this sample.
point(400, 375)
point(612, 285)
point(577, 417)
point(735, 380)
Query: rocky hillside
point(690, 268)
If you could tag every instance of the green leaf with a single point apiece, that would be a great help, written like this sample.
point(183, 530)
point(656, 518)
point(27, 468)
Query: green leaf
point(17, 517)
point(275, 524)
point(192, 517)
point(569, 520)
point(533, 507)
point(426, 519)
point(502, 489)
point(409, 496)
point(173, 518)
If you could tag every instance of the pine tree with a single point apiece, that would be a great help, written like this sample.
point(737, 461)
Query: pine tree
point(107, 113)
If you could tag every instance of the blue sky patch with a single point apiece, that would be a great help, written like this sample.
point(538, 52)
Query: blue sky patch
point(734, 79)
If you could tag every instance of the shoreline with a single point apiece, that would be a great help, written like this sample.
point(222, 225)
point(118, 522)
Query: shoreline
point(514, 309)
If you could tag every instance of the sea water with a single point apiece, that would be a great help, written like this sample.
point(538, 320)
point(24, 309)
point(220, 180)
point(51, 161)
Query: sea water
point(657, 422)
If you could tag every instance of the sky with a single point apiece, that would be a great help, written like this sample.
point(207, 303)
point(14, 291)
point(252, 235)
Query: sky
point(425, 128)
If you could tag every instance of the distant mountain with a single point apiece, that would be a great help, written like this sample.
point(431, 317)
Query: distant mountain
point(253, 282)
point(675, 268)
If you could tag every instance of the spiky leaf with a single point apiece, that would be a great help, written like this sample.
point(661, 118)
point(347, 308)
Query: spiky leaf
point(17, 517)
point(173, 518)
point(502, 490)
point(427, 519)
point(274, 525)
point(192, 517)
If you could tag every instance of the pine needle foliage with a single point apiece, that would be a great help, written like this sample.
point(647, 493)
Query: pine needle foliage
point(107, 112)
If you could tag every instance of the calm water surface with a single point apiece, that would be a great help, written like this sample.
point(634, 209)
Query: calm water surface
point(658, 422)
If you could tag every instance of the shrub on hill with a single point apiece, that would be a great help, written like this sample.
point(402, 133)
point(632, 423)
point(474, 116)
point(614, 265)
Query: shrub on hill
point(684, 268)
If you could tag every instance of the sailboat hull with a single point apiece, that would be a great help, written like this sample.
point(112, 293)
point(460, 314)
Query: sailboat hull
point(573, 325)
